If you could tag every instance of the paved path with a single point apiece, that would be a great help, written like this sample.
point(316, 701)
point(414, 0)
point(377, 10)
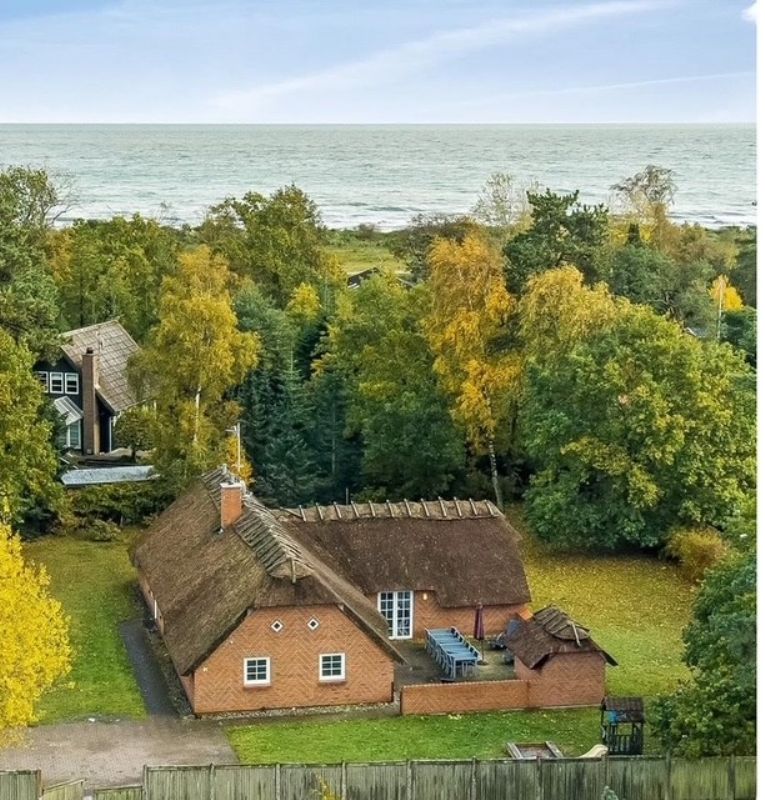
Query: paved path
point(113, 753)
point(146, 669)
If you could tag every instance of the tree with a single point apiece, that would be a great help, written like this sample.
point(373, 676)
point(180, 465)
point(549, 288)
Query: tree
point(277, 242)
point(739, 328)
point(28, 298)
point(562, 231)
point(715, 712)
point(413, 243)
point(725, 298)
point(672, 288)
point(28, 465)
point(135, 428)
point(645, 191)
point(195, 355)
point(501, 202)
point(35, 636)
point(634, 429)
point(375, 342)
point(467, 322)
point(113, 268)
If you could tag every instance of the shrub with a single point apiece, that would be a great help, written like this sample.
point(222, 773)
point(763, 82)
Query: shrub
point(697, 550)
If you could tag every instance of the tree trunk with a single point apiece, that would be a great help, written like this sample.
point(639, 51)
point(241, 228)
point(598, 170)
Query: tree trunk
point(197, 399)
point(495, 475)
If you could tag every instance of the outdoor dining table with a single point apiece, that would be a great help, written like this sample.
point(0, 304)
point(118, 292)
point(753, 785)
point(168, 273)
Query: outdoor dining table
point(451, 651)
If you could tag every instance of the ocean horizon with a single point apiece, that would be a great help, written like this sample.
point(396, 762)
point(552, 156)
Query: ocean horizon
point(381, 174)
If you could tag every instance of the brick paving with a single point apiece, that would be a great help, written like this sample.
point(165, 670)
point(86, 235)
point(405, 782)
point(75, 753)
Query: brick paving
point(113, 753)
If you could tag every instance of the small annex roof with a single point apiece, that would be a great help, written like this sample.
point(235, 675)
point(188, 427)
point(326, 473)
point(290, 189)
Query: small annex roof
point(114, 346)
point(549, 631)
point(96, 476)
point(463, 550)
point(205, 579)
point(624, 709)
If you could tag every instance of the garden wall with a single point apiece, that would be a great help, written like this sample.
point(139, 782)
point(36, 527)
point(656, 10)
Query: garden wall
point(576, 679)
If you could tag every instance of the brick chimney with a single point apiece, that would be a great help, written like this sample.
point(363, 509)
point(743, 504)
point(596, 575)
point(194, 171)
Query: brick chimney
point(90, 431)
point(231, 502)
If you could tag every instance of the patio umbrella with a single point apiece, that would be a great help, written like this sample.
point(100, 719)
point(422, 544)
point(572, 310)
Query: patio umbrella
point(479, 631)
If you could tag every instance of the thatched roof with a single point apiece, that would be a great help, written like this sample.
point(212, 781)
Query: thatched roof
point(205, 580)
point(548, 632)
point(114, 346)
point(463, 550)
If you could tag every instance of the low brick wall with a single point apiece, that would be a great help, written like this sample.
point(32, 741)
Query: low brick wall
point(458, 698)
point(567, 681)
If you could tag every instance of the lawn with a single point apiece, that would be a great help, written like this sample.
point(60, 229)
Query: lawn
point(356, 254)
point(95, 583)
point(636, 608)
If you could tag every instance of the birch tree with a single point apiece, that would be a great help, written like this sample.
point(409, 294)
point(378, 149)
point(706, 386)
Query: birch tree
point(469, 313)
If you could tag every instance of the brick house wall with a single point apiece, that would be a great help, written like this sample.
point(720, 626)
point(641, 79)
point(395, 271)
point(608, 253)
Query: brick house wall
point(572, 679)
point(428, 613)
point(569, 679)
point(218, 683)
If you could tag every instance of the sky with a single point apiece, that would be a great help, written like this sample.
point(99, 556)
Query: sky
point(393, 61)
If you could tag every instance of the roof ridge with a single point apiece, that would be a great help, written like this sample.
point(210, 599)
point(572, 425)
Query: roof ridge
point(94, 325)
point(280, 554)
point(439, 509)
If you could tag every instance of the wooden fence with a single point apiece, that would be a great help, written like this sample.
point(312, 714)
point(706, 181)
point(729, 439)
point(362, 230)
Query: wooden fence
point(642, 778)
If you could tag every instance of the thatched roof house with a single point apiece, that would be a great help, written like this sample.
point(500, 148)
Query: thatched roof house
point(250, 598)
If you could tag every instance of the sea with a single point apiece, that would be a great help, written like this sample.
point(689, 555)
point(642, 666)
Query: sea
point(380, 174)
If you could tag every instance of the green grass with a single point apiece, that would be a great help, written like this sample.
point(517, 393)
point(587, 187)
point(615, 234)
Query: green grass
point(95, 583)
point(636, 607)
point(398, 738)
point(356, 254)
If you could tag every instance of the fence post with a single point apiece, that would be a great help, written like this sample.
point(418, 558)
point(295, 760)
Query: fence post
point(409, 781)
point(668, 778)
point(538, 774)
point(731, 778)
point(474, 780)
point(343, 780)
point(278, 781)
point(212, 781)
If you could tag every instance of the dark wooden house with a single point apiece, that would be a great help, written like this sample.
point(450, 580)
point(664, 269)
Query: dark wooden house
point(89, 386)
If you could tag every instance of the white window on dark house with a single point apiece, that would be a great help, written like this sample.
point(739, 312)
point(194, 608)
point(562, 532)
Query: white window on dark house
point(332, 667)
point(277, 626)
point(70, 437)
point(313, 624)
point(56, 383)
point(71, 383)
point(43, 378)
point(257, 671)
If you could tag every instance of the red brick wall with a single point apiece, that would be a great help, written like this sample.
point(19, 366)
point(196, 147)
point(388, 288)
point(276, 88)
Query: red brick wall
point(294, 653)
point(429, 614)
point(457, 698)
point(569, 679)
point(575, 679)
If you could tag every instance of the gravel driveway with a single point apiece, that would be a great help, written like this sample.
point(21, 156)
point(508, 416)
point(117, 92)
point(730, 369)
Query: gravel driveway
point(113, 753)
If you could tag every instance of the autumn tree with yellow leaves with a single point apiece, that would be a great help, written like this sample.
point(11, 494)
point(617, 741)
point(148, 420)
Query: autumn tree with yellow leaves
point(34, 633)
point(194, 356)
point(467, 321)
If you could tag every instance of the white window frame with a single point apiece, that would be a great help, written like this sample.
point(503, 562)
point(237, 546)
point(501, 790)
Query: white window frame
point(56, 376)
point(42, 376)
point(393, 625)
point(334, 678)
point(67, 377)
point(257, 681)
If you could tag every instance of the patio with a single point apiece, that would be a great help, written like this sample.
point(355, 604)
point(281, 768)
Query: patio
point(421, 668)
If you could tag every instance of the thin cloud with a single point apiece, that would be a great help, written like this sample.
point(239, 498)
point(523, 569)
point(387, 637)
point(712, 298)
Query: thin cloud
point(398, 62)
point(607, 87)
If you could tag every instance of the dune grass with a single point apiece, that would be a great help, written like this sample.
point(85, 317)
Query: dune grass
point(95, 583)
point(636, 607)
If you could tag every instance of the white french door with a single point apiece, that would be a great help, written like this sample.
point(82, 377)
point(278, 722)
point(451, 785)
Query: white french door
point(398, 610)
